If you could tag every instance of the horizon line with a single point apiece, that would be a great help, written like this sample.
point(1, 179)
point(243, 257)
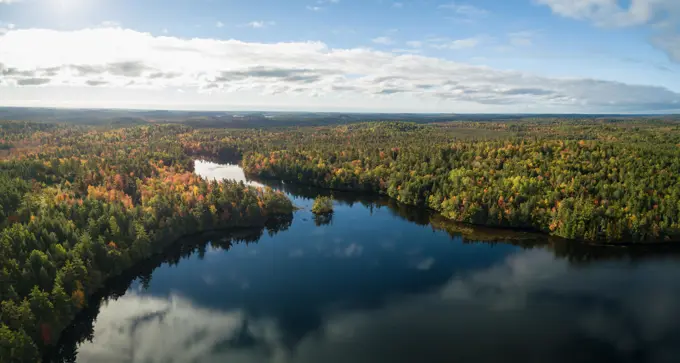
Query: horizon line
point(133, 109)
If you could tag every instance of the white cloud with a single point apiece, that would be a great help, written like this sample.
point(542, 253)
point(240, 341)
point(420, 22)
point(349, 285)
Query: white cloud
point(455, 44)
point(383, 40)
point(464, 12)
point(464, 9)
point(219, 24)
point(414, 43)
point(663, 15)
point(5, 27)
point(321, 2)
point(258, 24)
point(398, 5)
point(670, 43)
point(463, 43)
point(610, 12)
point(131, 60)
point(9, 1)
point(406, 51)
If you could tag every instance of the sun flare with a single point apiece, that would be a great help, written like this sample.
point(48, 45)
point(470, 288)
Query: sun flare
point(68, 6)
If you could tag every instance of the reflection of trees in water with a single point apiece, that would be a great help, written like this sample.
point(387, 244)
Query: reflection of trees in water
point(573, 251)
point(323, 219)
point(82, 328)
point(217, 154)
point(583, 253)
point(371, 201)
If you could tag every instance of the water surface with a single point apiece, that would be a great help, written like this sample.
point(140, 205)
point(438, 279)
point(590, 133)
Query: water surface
point(215, 171)
point(379, 282)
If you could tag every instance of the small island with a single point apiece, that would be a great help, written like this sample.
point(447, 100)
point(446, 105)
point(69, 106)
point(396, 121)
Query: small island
point(322, 205)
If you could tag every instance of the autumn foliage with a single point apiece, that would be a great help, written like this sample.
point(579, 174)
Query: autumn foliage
point(83, 205)
point(595, 180)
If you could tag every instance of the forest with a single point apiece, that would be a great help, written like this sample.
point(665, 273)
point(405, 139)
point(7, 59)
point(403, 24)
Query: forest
point(608, 182)
point(82, 204)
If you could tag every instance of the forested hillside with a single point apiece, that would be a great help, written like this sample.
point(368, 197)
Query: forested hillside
point(80, 205)
point(594, 181)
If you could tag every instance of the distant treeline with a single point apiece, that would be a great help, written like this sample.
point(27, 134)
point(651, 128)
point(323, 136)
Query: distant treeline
point(260, 119)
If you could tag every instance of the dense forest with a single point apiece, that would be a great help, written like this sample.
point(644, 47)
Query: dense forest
point(592, 181)
point(597, 181)
point(80, 205)
point(609, 181)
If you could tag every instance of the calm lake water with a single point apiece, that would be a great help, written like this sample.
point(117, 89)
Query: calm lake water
point(381, 282)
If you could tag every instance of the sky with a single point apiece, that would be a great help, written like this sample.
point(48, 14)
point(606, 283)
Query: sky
point(474, 56)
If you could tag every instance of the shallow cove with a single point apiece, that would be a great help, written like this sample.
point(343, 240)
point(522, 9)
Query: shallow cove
point(381, 282)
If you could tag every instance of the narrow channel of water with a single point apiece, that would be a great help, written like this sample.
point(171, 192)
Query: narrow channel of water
point(380, 282)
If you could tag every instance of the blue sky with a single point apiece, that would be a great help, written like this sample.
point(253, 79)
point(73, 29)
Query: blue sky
point(343, 55)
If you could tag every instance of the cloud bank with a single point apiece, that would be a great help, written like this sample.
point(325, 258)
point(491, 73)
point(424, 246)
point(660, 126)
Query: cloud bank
point(663, 15)
point(612, 13)
point(120, 58)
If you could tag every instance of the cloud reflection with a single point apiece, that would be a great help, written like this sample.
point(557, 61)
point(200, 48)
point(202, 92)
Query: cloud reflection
point(528, 307)
point(425, 264)
point(210, 170)
point(352, 250)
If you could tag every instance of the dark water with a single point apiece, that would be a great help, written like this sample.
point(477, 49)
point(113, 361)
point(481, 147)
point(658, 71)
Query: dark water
point(379, 282)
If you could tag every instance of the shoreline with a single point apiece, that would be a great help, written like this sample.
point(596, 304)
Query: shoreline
point(595, 243)
point(50, 351)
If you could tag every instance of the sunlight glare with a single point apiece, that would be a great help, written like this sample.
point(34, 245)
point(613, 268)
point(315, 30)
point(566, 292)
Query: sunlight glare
point(68, 6)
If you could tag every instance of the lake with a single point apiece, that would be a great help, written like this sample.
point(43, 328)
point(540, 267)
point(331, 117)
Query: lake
point(381, 282)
